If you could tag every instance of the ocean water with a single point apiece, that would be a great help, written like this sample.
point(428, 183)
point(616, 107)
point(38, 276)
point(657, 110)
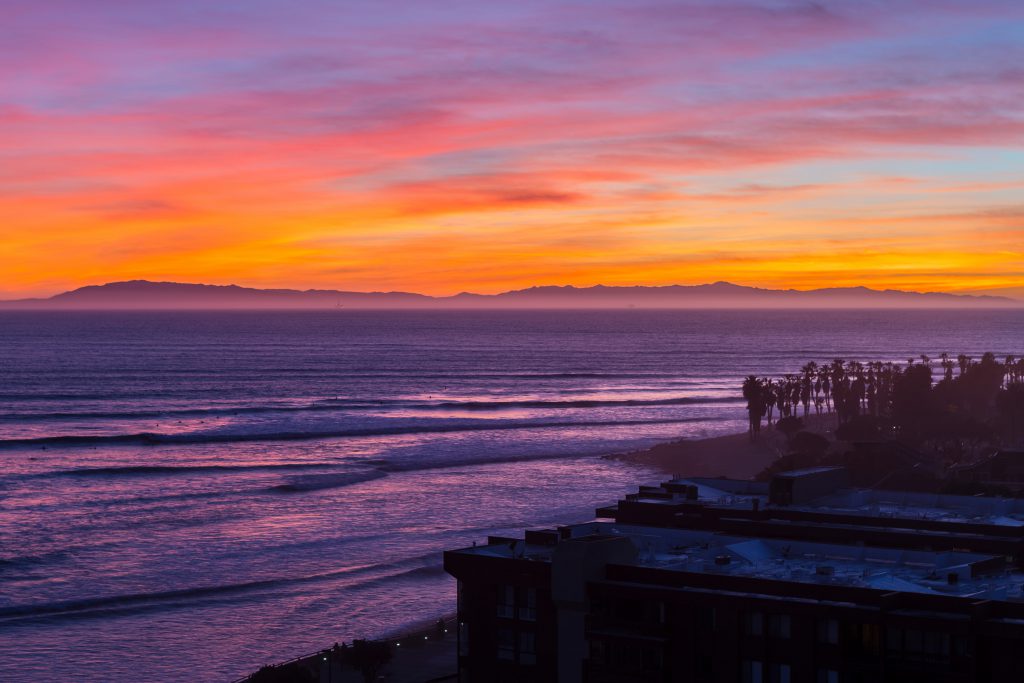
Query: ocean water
point(187, 496)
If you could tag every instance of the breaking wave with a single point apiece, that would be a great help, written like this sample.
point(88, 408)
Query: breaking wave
point(155, 438)
point(337, 404)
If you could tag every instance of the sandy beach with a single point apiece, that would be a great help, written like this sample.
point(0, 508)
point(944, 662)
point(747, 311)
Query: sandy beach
point(731, 455)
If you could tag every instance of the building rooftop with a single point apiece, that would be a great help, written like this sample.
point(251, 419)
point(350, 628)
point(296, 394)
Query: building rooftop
point(737, 494)
point(956, 573)
point(796, 474)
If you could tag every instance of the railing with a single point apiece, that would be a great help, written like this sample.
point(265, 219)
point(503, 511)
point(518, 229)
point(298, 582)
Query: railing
point(314, 660)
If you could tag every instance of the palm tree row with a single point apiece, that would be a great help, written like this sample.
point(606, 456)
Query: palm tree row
point(980, 389)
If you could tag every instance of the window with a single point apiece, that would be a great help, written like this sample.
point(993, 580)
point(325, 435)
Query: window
point(962, 646)
point(627, 656)
point(705, 666)
point(506, 644)
point(650, 659)
point(506, 601)
point(753, 624)
point(778, 625)
point(750, 671)
point(779, 673)
point(528, 604)
point(527, 648)
point(828, 676)
point(631, 610)
point(869, 639)
point(706, 618)
point(936, 645)
point(922, 644)
point(894, 639)
point(866, 639)
point(828, 631)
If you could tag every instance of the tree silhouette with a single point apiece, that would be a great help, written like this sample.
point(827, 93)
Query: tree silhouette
point(974, 402)
point(757, 403)
point(285, 673)
point(1010, 404)
point(789, 426)
point(368, 657)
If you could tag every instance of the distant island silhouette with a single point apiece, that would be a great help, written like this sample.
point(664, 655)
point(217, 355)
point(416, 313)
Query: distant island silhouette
point(146, 295)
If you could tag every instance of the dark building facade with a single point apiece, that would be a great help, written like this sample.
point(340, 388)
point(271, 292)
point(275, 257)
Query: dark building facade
point(656, 600)
point(1004, 469)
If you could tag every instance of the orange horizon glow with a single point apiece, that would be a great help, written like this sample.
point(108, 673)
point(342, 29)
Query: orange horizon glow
point(487, 148)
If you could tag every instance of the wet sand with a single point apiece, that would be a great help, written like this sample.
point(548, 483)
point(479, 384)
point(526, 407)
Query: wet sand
point(732, 455)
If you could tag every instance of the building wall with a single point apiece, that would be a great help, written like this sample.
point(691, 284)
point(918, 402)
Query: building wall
point(506, 620)
point(724, 631)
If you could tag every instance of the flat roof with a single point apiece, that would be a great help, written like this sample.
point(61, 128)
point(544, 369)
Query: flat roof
point(796, 474)
point(974, 575)
point(738, 494)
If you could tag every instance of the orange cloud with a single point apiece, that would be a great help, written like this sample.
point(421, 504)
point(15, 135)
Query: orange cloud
point(493, 147)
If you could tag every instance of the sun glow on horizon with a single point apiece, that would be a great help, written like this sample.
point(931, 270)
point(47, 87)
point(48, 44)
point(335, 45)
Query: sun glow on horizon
point(487, 146)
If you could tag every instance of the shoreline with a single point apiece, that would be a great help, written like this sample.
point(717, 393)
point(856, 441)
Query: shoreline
point(727, 455)
point(420, 653)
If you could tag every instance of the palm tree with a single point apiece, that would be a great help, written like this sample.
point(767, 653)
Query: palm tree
point(754, 393)
point(947, 367)
point(810, 370)
point(826, 387)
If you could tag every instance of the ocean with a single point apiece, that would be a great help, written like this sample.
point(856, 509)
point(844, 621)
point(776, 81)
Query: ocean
point(188, 496)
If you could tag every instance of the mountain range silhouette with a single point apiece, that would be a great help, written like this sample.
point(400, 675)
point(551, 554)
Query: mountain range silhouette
point(143, 295)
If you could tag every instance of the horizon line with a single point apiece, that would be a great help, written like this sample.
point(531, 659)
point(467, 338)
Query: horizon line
point(147, 287)
point(300, 288)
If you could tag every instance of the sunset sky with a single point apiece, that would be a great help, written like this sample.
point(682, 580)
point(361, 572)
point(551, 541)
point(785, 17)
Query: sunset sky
point(441, 145)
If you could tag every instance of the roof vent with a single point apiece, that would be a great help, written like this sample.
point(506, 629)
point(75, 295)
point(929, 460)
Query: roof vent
point(825, 570)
